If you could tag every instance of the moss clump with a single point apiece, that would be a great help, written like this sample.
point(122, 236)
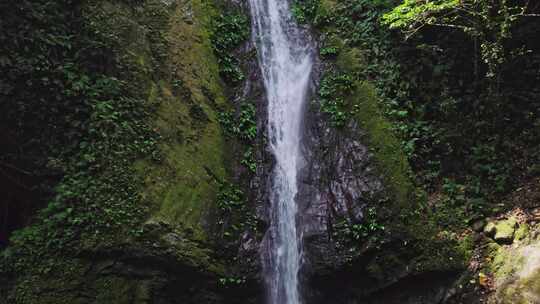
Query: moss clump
point(391, 161)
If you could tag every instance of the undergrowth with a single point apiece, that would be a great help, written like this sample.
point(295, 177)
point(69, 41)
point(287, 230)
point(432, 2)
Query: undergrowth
point(95, 125)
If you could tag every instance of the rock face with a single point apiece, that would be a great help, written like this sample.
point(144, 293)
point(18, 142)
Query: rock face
point(336, 186)
point(355, 181)
point(516, 272)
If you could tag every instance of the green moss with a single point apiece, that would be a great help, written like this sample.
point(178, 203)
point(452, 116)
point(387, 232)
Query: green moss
point(532, 283)
point(522, 232)
point(490, 228)
point(390, 158)
point(350, 60)
point(511, 290)
point(180, 188)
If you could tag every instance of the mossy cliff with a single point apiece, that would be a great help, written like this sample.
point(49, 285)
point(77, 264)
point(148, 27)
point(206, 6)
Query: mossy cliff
point(380, 232)
point(375, 233)
point(161, 51)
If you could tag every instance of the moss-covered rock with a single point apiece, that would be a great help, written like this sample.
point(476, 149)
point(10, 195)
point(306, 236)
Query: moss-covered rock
point(389, 155)
point(504, 230)
point(182, 188)
point(516, 272)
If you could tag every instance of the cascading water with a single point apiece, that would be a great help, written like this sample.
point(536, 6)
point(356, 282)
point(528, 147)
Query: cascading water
point(286, 59)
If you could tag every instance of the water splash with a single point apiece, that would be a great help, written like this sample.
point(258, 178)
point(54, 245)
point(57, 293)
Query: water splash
point(286, 59)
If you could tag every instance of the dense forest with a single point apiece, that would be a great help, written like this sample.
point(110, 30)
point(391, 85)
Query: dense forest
point(137, 155)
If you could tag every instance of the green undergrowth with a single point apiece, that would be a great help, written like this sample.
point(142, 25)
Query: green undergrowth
point(97, 199)
point(240, 127)
point(141, 91)
point(229, 30)
point(235, 213)
point(344, 98)
point(243, 128)
point(333, 90)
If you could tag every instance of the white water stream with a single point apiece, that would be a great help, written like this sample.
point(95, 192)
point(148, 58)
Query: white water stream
point(286, 59)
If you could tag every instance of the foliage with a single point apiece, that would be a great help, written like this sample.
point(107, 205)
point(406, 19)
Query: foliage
point(488, 22)
point(410, 12)
point(247, 124)
point(249, 160)
point(235, 215)
point(453, 90)
point(333, 91)
point(229, 31)
point(229, 197)
point(304, 11)
point(232, 281)
point(75, 116)
point(243, 127)
point(369, 227)
point(328, 51)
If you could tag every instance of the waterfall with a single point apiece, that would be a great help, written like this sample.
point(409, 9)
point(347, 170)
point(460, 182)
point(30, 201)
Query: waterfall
point(286, 59)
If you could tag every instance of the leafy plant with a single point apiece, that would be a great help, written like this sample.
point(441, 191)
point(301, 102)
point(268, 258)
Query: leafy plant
point(487, 22)
point(368, 227)
point(229, 197)
point(77, 121)
point(333, 91)
point(244, 126)
point(229, 31)
point(304, 11)
point(249, 161)
point(328, 51)
point(232, 281)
